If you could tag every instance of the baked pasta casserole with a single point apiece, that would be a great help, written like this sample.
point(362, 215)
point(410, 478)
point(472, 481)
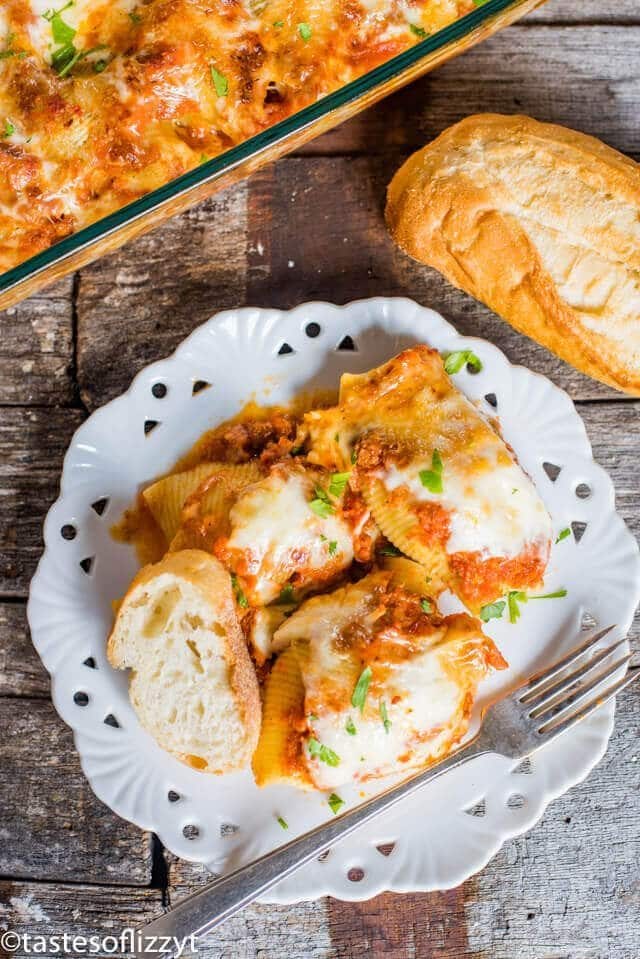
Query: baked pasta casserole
point(102, 101)
point(290, 615)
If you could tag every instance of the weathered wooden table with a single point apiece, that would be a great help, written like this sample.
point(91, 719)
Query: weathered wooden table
point(309, 227)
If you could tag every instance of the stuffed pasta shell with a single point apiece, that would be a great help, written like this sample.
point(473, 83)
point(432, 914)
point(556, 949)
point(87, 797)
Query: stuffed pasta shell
point(374, 681)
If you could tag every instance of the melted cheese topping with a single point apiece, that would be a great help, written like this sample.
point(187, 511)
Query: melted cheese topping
point(170, 84)
point(276, 538)
point(424, 673)
point(493, 507)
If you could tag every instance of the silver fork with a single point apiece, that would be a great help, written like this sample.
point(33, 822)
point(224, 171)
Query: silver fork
point(515, 727)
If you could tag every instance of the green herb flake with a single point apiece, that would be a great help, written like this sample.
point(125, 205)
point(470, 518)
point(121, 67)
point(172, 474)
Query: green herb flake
point(514, 598)
point(61, 32)
point(219, 81)
point(297, 450)
point(287, 594)
point(492, 611)
point(418, 31)
point(350, 727)
point(432, 479)
point(323, 753)
point(305, 31)
point(563, 534)
point(135, 17)
point(99, 66)
point(361, 688)
point(354, 457)
point(454, 362)
point(559, 594)
point(9, 129)
point(321, 505)
point(333, 547)
point(384, 716)
point(390, 550)
point(283, 822)
point(338, 484)
point(427, 605)
point(335, 803)
point(278, 24)
point(241, 599)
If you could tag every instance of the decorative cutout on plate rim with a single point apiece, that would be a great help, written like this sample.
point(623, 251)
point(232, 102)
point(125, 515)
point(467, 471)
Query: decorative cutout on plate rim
point(440, 838)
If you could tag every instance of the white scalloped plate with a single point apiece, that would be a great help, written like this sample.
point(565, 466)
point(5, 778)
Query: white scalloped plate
point(451, 830)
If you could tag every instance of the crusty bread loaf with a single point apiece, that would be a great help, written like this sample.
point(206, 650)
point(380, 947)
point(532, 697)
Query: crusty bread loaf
point(192, 682)
point(540, 223)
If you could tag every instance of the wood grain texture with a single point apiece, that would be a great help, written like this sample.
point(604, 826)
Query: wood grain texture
point(139, 303)
point(45, 909)
point(32, 446)
point(36, 349)
point(53, 827)
point(585, 11)
point(21, 672)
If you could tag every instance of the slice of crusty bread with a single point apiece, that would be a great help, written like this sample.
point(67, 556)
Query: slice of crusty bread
point(539, 222)
point(192, 682)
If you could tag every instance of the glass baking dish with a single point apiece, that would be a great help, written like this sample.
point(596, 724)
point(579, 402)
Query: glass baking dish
point(154, 208)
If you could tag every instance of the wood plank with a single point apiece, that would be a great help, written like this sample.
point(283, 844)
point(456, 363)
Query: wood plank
point(44, 909)
point(21, 672)
point(139, 303)
point(32, 446)
point(552, 73)
point(585, 11)
point(36, 351)
point(53, 827)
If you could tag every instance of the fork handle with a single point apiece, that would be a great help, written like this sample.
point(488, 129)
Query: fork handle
point(205, 909)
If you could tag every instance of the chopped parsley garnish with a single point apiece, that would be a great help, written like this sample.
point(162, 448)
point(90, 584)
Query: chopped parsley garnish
point(283, 822)
point(418, 31)
point(219, 81)
point(386, 722)
point(297, 450)
point(350, 727)
point(427, 605)
point(514, 598)
point(323, 753)
point(338, 483)
point(432, 479)
point(559, 594)
point(563, 534)
point(335, 803)
point(9, 129)
point(321, 505)
point(354, 456)
point(454, 362)
point(287, 594)
point(305, 31)
point(479, 3)
point(362, 686)
point(135, 17)
point(241, 599)
point(336, 438)
point(312, 718)
point(492, 611)
point(278, 24)
point(390, 550)
point(9, 51)
point(332, 545)
point(65, 56)
point(99, 66)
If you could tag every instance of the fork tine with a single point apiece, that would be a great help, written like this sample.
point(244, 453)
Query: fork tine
point(582, 696)
point(555, 693)
point(544, 680)
point(552, 728)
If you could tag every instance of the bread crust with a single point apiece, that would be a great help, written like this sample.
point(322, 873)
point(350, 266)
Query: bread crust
point(210, 578)
point(506, 207)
